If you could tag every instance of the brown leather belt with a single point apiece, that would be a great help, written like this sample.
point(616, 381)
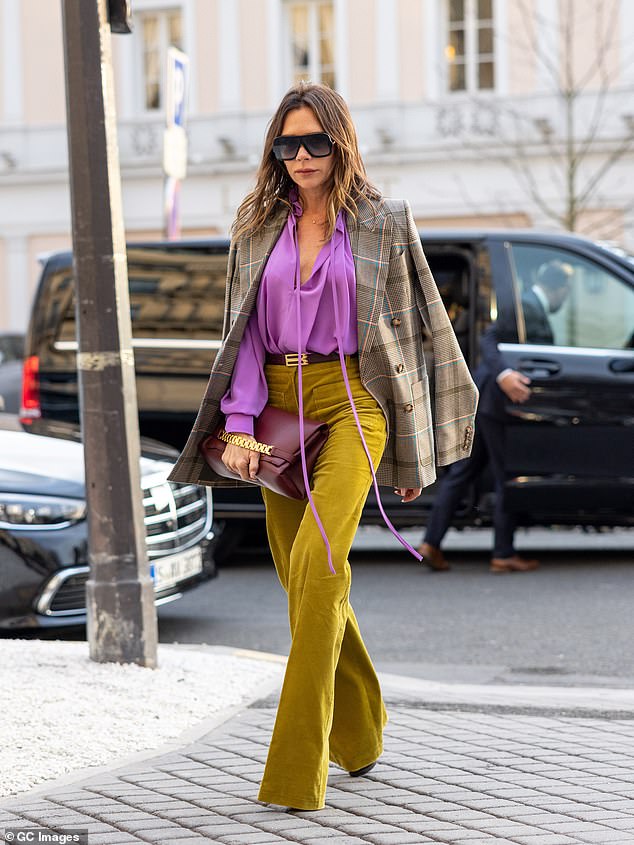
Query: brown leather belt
point(292, 359)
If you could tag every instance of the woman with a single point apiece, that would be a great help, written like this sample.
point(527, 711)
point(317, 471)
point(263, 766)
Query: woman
point(322, 268)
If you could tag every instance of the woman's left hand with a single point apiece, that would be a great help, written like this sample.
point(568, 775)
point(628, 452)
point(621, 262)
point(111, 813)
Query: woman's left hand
point(408, 494)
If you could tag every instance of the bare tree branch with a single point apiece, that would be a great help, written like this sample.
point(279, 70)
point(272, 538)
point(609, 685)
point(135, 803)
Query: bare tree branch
point(533, 24)
point(605, 35)
point(581, 85)
point(553, 155)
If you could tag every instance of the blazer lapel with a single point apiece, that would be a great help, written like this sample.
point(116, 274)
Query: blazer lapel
point(370, 244)
point(255, 252)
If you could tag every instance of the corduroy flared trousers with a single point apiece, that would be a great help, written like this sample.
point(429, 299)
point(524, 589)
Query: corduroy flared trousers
point(330, 708)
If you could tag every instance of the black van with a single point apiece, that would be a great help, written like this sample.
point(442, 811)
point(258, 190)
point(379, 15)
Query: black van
point(570, 450)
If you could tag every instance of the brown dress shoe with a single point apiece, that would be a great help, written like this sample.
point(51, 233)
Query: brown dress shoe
point(513, 564)
point(433, 557)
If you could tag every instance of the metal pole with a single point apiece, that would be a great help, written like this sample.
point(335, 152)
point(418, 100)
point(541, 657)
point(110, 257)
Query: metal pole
point(121, 622)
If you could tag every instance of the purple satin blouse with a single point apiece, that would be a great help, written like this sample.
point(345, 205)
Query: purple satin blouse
point(272, 327)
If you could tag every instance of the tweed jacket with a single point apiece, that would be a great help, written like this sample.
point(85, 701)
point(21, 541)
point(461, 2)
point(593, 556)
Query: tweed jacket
point(397, 300)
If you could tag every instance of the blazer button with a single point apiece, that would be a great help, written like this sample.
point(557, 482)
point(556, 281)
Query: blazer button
point(396, 321)
point(408, 408)
point(399, 368)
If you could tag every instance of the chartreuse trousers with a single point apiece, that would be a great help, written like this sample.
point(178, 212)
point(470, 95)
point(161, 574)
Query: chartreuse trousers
point(330, 708)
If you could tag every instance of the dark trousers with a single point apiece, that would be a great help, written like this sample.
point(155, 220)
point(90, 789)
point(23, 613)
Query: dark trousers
point(488, 448)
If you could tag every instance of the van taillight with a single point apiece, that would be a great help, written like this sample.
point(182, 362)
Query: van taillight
point(31, 409)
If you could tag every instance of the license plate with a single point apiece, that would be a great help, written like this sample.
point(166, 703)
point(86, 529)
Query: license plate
point(168, 571)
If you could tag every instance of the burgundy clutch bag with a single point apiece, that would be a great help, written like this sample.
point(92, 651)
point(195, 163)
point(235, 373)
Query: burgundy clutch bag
point(276, 433)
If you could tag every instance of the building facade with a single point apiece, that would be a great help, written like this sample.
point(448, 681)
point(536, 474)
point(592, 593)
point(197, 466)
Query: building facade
point(480, 112)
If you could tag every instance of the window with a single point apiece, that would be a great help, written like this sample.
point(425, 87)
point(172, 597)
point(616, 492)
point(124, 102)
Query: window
point(312, 41)
point(469, 51)
point(159, 30)
point(571, 301)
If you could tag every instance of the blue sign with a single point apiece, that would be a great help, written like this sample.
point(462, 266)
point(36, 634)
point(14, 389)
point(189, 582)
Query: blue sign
point(177, 84)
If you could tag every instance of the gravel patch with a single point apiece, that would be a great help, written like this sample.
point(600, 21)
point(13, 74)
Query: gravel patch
point(62, 711)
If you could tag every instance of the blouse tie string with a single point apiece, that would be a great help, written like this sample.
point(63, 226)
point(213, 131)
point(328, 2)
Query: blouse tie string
point(339, 337)
point(339, 234)
point(300, 394)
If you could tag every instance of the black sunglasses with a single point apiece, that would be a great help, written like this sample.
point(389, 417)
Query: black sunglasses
point(317, 144)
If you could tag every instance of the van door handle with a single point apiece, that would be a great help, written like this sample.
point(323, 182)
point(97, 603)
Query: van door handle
point(538, 367)
point(622, 365)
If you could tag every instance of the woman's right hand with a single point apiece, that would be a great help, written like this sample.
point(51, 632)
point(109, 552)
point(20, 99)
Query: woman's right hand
point(244, 462)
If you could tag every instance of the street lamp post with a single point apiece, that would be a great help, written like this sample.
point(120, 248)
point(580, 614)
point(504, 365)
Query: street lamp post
point(121, 615)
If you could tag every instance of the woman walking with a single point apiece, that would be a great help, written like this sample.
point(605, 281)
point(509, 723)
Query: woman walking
point(328, 292)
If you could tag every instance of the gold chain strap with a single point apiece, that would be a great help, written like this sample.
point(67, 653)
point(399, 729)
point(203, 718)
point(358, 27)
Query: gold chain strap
point(244, 442)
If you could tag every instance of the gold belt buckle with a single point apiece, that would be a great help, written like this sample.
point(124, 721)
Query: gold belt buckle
point(292, 359)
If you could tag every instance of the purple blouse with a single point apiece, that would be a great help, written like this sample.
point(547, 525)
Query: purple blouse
point(272, 327)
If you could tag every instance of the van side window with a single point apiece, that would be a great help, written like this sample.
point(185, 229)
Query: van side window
point(176, 309)
point(451, 274)
point(568, 300)
point(453, 268)
point(175, 295)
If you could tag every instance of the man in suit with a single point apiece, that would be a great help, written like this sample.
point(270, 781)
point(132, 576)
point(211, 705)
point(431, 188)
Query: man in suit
point(498, 384)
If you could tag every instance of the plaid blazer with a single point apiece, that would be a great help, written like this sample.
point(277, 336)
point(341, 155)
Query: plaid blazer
point(397, 299)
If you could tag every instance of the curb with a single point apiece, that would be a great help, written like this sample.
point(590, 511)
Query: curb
point(187, 737)
point(592, 700)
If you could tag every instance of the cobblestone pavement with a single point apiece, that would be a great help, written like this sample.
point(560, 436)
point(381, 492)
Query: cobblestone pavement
point(474, 769)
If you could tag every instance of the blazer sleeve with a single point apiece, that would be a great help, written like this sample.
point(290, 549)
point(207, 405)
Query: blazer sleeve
point(455, 395)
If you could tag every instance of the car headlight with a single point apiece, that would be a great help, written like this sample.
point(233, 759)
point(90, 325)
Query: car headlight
point(22, 511)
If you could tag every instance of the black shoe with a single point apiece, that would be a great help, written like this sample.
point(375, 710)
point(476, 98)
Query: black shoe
point(299, 810)
point(358, 773)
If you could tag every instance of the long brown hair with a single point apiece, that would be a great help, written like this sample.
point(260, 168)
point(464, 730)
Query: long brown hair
point(273, 183)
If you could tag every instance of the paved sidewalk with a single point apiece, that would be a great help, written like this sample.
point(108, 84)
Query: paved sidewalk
point(466, 765)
